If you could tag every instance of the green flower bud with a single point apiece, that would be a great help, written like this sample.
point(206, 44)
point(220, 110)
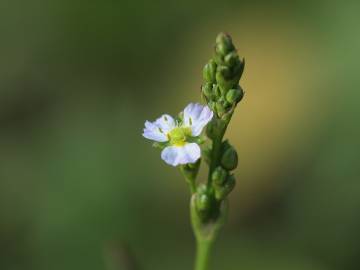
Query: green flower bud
point(229, 159)
point(203, 202)
point(209, 71)
point(211, 129)
point(207, 90)
point(231, 58)
point(222, 192)
point(224, 44)
point(223, 77)
point(216, 91)
point(222, 106)
point(219, 175)
point(233, 96)
point(219, 109)
point(238, 70)
point(223, 72)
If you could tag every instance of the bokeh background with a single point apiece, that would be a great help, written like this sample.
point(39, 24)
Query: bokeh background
point(81, 189)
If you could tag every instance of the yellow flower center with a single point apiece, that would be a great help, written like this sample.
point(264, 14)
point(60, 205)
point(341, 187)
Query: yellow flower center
point(178, 135)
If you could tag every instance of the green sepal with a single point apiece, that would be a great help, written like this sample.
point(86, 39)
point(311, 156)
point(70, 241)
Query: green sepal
point(160, 145)
point(190, 170)
point(199, 140)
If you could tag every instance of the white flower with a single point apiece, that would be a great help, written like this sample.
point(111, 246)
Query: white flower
point(180, 149)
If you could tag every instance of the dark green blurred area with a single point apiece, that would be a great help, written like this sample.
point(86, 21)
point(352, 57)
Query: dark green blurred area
point(79, 184)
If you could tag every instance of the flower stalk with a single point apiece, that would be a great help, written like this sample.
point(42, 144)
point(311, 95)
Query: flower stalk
point(182, 145)
point(222, 92)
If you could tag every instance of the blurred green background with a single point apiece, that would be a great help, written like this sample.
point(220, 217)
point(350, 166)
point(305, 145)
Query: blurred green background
point(79, 186)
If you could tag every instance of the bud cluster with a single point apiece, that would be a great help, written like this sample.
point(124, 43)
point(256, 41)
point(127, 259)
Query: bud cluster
point(223, 182)
point(222, 92)
point(221, 89)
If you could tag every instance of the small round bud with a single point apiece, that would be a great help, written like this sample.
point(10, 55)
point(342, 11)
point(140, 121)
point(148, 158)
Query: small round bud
point(220, 109)
point(222, 106)
point(223, 77)
point(216, 90)
point(219, 176)
point(211, 127)
point(223, 38)
point(231, 58)
point(229, 159)
point(203, 202)
point(233, 96)
point(221, 49)
point(224, 44)
point(209, 71)
point(223, 191)
point(239, 69)
point(207, 90)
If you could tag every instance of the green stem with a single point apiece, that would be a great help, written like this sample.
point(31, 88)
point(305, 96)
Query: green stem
point(216, 150)
point(203, 249)
point(192, 185)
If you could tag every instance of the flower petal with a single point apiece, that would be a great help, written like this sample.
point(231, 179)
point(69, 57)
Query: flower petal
point(153, 132)
point(197, 116)
point(166, 123)
point(175, 155)
point(157, 131)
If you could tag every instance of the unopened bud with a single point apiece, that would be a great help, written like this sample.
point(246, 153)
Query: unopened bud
point(209, 71)
point(229, 159)
point(203, 202)
point(231, 58)
point(233, 96)
point(219, 176)
point(239, 69)
point(224, 44)
point(223, 191)
point(223, 77)
point(217, 91)
point(211, 129)
point(207, 90)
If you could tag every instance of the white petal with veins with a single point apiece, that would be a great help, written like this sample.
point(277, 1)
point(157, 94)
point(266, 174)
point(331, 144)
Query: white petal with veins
point(166, 123)
point(152, 132)
point(197, 117)
point(176, 155)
